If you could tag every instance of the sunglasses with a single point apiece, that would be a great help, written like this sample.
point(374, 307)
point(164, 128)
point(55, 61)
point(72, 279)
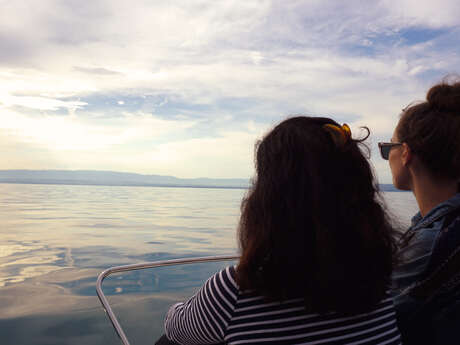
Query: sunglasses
point(385, 149)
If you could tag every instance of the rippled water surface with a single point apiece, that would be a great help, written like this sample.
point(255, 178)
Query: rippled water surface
point(56, 239)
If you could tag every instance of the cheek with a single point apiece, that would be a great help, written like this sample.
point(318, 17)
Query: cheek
point(391, 162)
point(396, 175)
point(395, 171)
point(401, 178)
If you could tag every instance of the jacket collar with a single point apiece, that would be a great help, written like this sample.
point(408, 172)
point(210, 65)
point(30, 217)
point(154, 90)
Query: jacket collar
point(437, 212)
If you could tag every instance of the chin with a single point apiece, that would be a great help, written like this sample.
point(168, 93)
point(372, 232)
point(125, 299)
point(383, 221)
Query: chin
point(401, 186)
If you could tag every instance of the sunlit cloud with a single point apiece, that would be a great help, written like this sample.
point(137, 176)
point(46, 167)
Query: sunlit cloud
point(67, 133)
point(39, 103)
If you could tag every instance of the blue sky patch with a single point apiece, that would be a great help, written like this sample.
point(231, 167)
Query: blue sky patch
point(416, 35)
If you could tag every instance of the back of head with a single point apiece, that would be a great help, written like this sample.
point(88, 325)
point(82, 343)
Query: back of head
point(432, 130)
point(311, 224)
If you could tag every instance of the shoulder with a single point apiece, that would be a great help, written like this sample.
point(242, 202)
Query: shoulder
point(423, 236)
point(444, 261)
point(225, 280)
point(228, 274)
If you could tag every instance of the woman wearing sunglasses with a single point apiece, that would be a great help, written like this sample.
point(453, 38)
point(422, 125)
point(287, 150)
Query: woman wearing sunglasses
point(317, 250)
point(424, 157)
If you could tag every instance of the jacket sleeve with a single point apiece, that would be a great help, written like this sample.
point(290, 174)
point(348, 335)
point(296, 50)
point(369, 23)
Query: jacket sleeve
point(204, 318)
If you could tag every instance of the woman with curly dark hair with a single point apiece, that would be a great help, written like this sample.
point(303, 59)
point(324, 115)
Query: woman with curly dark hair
point(424, 157)
point(316, 250)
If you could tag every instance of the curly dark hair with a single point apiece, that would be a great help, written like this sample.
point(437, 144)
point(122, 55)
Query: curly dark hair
point(432, 130)
point(311, 223)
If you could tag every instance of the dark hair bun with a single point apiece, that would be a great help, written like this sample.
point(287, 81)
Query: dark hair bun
point(445, 97)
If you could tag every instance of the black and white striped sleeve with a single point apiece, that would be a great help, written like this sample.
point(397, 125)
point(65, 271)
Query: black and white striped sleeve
point(204, 318)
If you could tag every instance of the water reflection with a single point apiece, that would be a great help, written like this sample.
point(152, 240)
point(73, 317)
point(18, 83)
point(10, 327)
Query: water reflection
point(55, 240)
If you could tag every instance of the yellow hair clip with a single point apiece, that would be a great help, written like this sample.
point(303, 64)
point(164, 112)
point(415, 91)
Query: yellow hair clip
point(340, 135)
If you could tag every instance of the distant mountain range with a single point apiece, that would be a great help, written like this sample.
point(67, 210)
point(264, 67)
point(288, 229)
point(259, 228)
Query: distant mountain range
point(113, 178)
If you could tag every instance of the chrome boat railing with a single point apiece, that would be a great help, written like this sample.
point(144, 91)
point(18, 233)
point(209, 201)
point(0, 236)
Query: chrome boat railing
point(125, 268)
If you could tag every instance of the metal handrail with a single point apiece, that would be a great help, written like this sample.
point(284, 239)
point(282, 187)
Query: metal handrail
point(125, 268)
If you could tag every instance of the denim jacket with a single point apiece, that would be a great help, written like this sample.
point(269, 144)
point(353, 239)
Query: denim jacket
point(423, 233)
point(418, 243)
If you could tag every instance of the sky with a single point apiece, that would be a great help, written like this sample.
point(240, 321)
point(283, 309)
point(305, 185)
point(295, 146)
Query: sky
point(185, 88)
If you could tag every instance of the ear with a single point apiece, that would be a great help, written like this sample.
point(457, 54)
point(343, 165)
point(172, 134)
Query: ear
point(406, 154)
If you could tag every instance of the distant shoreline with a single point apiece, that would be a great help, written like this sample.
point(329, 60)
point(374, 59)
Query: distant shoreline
point(77, 183)
point(115, 178)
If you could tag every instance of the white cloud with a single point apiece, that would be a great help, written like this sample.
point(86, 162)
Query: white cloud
point(74, 133)
point(442, 13)
point(39, 103)
point(228, 155)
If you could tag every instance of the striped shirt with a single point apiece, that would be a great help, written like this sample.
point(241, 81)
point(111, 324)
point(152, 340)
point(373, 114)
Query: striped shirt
point(219, 312)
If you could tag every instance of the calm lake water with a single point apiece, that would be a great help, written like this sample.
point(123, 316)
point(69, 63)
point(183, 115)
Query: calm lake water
point(56, 239)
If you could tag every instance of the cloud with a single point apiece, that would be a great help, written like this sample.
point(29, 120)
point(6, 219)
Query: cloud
point(69, 133)
point(230, 154)
point(213, 65)
point(432, 14)
point(39, 103)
